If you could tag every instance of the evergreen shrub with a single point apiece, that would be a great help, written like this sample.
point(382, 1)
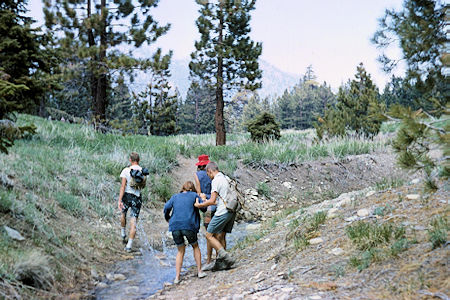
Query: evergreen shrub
point(263, 128)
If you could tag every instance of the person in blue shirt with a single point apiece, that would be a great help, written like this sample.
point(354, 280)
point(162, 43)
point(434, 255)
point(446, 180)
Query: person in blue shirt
point(184, 221)
point(203, 186)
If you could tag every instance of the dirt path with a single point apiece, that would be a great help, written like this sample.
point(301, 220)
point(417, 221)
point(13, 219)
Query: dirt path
point(185, 171)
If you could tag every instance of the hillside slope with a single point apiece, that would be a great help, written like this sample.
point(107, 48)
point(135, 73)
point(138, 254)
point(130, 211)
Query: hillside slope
point(58, 190)
point(307, 253)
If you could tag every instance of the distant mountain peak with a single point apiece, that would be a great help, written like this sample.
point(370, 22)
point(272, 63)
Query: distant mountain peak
point(274, 80)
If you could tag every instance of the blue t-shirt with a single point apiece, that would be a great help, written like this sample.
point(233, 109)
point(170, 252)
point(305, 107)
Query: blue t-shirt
point(184, 215)
point(205, 187)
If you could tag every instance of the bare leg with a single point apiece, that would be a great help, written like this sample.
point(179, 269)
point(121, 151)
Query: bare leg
point(221, 238)
point(208, 252)
point(179, 260)
point(215, 243)
point(123, 220)
point(197, 257)
point(133, 222)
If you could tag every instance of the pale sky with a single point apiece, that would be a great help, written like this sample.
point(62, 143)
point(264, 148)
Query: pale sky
point(331, 35)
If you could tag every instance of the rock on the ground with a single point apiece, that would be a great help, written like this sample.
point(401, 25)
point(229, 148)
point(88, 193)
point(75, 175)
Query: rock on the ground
point(316, 241)
point(370, 193)
point(346, 200)
point(102, 285)
point(364, 212)
point(287, 185)
point(119, 277)
point(253, 226)
point(351, 219)
point(415, 181)
point(14, 234)
point(110, 277)
point(332, 213)
point(413, 196)
point(337, 251)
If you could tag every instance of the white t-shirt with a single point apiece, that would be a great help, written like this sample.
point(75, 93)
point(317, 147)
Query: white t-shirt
point(126, 174)
point(220, 185)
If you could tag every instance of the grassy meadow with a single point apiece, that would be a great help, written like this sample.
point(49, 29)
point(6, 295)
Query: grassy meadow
point(67, 176)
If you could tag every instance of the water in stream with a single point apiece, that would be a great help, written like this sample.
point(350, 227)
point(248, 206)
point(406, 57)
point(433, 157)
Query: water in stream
point(147, 273)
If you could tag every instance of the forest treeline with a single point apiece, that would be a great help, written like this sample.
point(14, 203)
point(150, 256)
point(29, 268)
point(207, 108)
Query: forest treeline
point(79, 66)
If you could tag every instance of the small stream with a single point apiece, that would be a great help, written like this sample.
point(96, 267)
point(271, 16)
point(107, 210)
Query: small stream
point(147, 273)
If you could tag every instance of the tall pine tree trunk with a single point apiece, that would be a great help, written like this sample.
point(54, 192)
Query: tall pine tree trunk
point(93, 80)
point(220, 124)
point(102, 84)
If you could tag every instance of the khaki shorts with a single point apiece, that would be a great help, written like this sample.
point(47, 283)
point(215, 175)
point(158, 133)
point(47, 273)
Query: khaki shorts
point(223, 223)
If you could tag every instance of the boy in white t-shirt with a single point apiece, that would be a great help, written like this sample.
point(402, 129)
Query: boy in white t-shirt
point(129, 198)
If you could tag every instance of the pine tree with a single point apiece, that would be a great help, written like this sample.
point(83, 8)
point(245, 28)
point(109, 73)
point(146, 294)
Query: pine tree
point(156, 107)
point(299, 107)
point(357, 108)
point(196, 113)
point(92, 34)
point(420, 29)
point(25, 69)
point(263, 128)
point(225, 56)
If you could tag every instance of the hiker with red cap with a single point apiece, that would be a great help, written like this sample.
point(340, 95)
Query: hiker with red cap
point(203, 186)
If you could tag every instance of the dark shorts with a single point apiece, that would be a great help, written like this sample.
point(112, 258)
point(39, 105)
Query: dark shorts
point(131, 201)
point(223, 223)
point(190, 235)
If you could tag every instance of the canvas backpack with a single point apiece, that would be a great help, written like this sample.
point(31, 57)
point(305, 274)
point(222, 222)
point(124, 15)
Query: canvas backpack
point(234, 200)
point(138, 178)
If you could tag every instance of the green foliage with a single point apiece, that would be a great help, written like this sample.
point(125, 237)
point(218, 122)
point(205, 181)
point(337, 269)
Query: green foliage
point(225, 57)
point(70, 203)
point(91, 43)
point(316, 220)
point(263, 189)
point(264, 128)
point(371, 239)
point(161, 188)
point(303, 229)
point(6, 201)
point(419, 28)
point(196, 113)
point(365, 235)
point(298, 107)
point(413, 144)
point(439, 232)
point(22, 66)
point(155, 109)
point(357, 109)
point(388, 183)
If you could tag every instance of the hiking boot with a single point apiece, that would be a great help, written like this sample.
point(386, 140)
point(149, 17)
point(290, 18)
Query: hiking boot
point(124, 239)
point(229, 260)
point(176, 281)
point(201, 274)
point(127, 249)
point(208, 267)
point(219, 265)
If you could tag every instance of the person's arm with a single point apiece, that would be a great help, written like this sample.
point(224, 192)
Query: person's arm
point(167, 209)
point(210, 201)
point(197, 184)
point(122, 192)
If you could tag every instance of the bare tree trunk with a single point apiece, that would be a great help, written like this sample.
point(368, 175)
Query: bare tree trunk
point(220, 123)
point(92, 77)
point(102, 84)
point(196, 114)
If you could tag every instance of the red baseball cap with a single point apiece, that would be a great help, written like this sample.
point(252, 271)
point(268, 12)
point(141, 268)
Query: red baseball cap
point(202, 160)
